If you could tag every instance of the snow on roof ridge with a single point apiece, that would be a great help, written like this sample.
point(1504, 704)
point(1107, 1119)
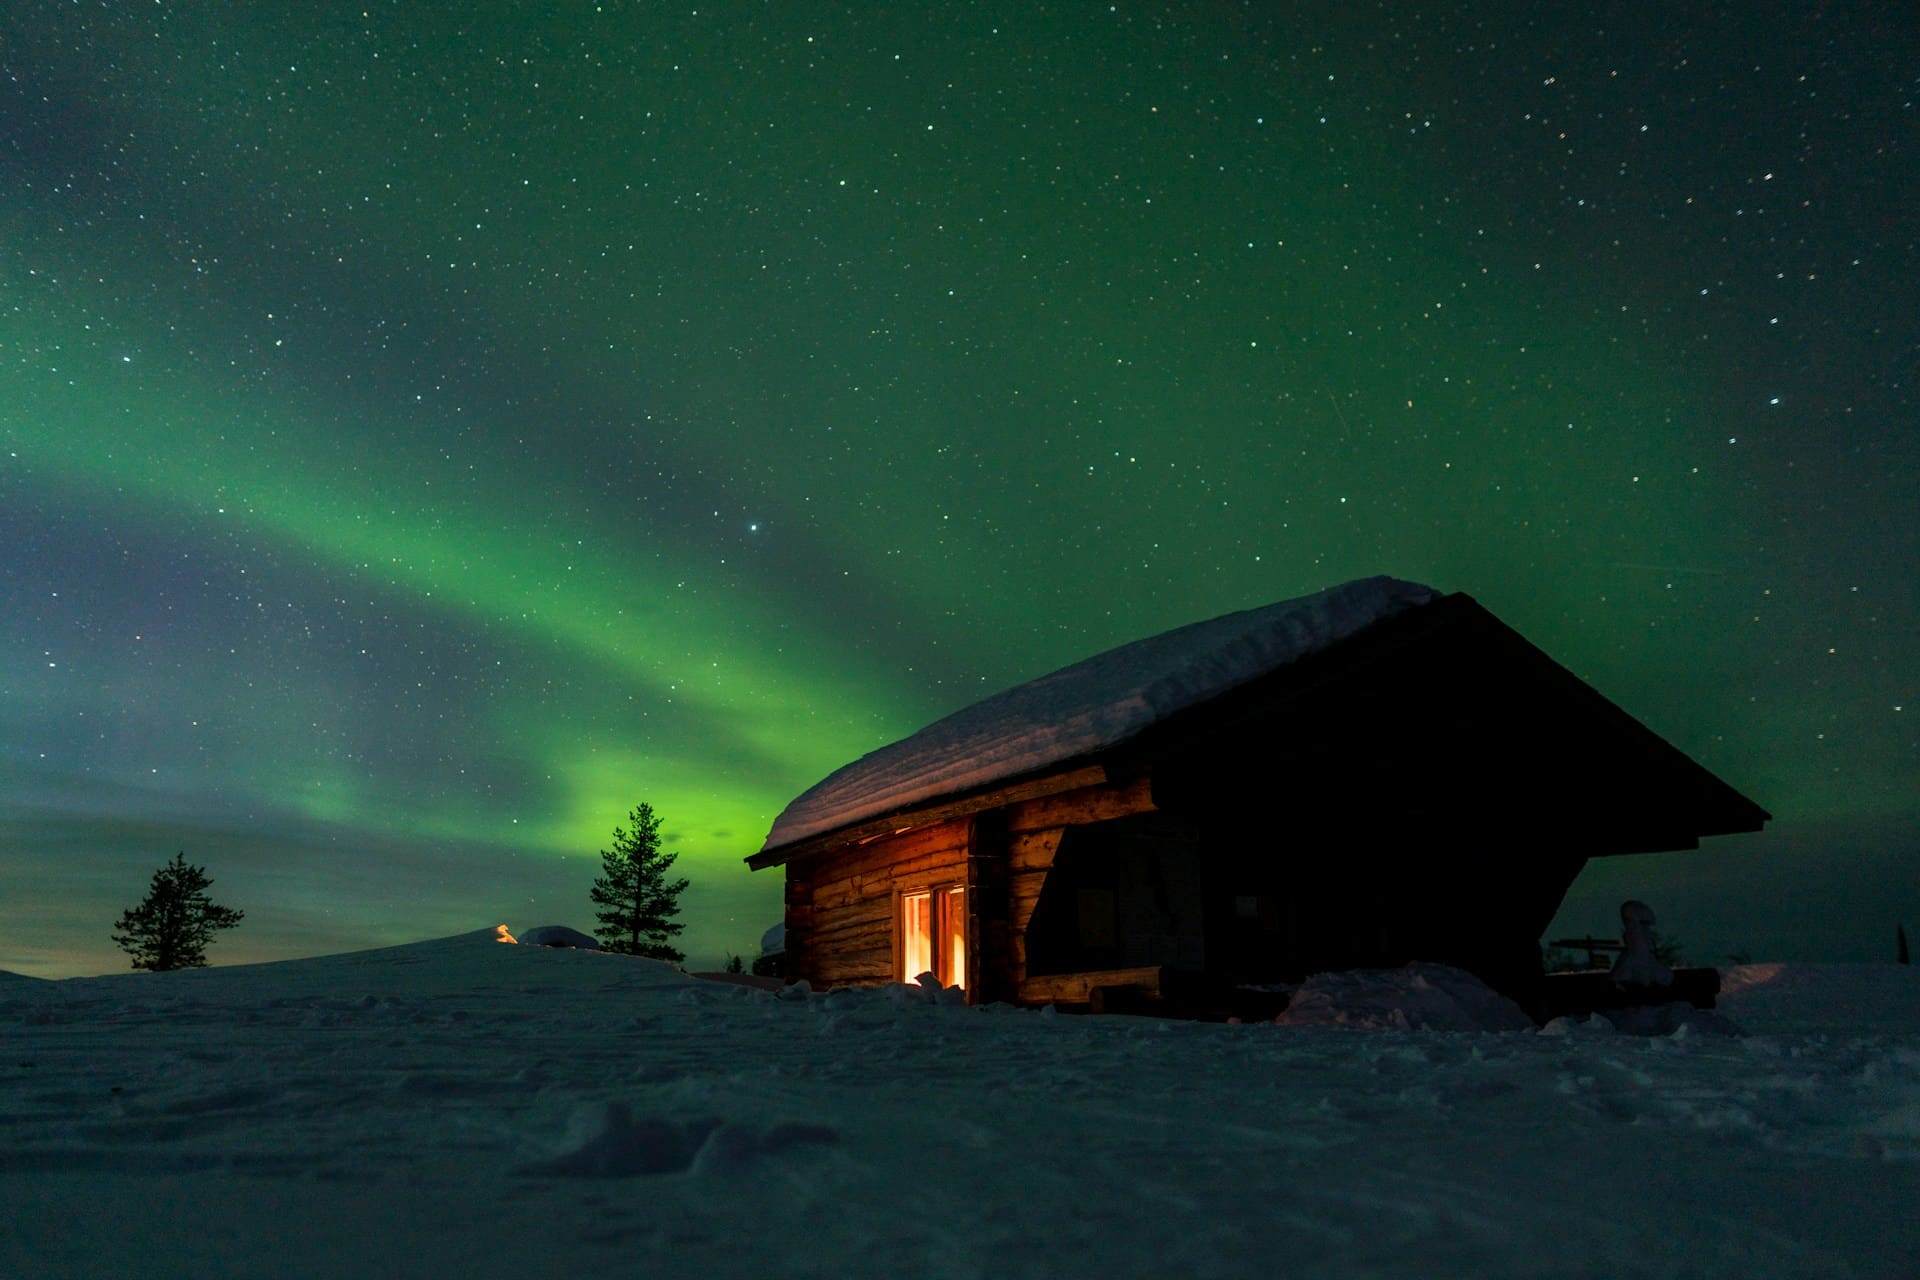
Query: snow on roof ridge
point(1089, 706)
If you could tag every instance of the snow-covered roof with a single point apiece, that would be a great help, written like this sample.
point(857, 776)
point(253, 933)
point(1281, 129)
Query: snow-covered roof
point(1090, 706)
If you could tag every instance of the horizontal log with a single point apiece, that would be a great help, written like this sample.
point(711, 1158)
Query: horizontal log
point(862, 934)
point(877, 893)
point(852, 965)
point(839, 888)
point(1026, 885)
point(877, 903)
point(1033, 850)
point(843, 895)
point(863, 920)
point(959, 807)
point(880, 934)
point(841, 968)
point(880, 887)
point(952, 862)
point(1023, 896)
point(893, 848)
point(868, 911)
point(1088, 804)
point(1075, 988)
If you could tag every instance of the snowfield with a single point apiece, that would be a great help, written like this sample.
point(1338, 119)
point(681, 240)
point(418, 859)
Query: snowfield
point(467, 1107)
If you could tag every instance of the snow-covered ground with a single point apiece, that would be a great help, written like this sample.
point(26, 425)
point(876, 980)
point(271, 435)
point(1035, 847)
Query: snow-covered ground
point(464, 1107)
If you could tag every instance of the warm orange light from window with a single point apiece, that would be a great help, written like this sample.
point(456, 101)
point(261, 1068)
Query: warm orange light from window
point(916, 935)
point(933, 935)
point(953, 937)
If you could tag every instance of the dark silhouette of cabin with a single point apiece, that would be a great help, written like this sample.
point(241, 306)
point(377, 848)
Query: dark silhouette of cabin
point(1425, 785)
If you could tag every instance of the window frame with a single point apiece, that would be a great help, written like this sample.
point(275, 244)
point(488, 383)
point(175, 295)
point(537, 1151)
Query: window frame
point(943, 896)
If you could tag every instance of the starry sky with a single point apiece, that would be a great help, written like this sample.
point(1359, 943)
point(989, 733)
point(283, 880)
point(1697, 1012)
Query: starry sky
point(427, 431)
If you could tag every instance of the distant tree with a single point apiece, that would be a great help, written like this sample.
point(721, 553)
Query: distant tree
point(171, 927)
point(735, 964)
point(637, 902)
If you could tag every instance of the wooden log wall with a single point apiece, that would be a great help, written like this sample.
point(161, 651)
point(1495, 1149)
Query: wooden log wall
point(841, 904)
point(850, 920)
point(798, 956)
point(1034, 829)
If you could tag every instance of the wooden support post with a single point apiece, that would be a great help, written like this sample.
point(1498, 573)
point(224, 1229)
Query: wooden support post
point(988, 955)
point(798, 961)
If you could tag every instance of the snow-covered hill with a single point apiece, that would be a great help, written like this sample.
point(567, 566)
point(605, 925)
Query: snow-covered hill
point(465, 1107)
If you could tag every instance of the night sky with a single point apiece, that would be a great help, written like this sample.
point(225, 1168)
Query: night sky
point(426, 432)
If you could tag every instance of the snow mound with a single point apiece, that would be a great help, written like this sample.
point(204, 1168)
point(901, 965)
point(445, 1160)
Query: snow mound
point(1796, 998)
point(1417, 997)
point(606, 1140)
point(457, 1104)
point(1090, 706)
point(1590, 1027)
point(1674, 1018)
point(559, 935)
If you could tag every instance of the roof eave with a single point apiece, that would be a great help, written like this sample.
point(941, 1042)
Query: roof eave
point(1068, 775)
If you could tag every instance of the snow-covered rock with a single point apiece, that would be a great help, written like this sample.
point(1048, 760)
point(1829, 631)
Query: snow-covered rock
point(559, 935)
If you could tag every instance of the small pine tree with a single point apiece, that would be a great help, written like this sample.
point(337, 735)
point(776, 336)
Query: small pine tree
point(735, 964)
point(637, 902)
point(171, 927)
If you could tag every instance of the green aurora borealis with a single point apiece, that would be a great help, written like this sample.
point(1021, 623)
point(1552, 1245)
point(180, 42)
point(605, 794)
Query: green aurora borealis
point(425, 434)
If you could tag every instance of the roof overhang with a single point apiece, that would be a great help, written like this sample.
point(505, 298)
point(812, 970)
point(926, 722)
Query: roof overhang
point(1452, 642)
point(1071, 776)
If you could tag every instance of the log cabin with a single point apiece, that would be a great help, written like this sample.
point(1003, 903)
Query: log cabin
point(1375, 774)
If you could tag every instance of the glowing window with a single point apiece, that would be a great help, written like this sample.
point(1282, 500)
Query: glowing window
point(916, 934)
point(933, 935)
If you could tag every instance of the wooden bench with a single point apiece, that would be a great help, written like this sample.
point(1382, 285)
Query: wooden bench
point(1102, 990)
point(1578, 993)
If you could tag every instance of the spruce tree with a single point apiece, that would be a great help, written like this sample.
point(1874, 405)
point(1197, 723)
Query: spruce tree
point(171, 927)
point(637, 902)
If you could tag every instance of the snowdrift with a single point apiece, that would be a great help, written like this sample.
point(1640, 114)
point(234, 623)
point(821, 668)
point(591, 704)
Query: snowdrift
point(466, 1107)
